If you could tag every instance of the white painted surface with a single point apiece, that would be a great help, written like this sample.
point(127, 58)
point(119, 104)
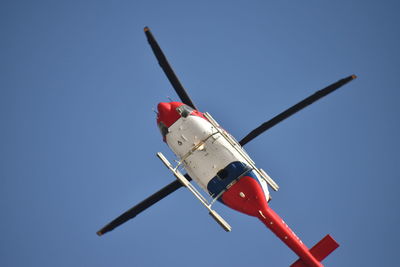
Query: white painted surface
point(204, 163)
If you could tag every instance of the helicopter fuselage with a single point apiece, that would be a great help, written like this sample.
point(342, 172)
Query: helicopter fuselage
point(219, 165)
point(214, 164)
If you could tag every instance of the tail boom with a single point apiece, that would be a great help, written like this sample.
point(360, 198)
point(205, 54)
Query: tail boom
point(247, 196)
point(308, 257)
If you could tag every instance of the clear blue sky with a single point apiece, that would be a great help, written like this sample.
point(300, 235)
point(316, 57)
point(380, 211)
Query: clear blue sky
point(78, 137)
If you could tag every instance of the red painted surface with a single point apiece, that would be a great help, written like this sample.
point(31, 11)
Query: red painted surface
point(168, 115)
point(320, 251)
point(248, 197)
point(253, 200)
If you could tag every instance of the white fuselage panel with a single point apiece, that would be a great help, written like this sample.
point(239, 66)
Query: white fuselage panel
point(204, 163)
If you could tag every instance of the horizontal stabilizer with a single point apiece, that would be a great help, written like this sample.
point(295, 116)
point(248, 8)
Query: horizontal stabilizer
point(320, 251)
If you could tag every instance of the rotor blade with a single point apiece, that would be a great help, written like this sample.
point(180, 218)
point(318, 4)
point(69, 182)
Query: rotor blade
point(131, 213)
point(299, 106)
point(162, 60)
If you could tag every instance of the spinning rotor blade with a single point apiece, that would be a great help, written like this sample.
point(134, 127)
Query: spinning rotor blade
point(131, 213)
point(299, 106)
point(162, 60)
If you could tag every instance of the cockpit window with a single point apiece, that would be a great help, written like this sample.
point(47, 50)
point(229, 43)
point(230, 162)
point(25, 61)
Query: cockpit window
point(163, 129)
point(184, 110)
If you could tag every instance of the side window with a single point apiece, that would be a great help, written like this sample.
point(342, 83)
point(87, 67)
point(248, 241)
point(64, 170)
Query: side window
point(184, 110)
point(163, 129)
point(222, 174)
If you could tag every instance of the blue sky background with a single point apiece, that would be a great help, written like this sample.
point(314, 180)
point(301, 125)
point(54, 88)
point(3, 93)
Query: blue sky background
point(78, 137)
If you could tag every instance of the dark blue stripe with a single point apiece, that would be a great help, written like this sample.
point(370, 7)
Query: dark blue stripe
point(227, 175)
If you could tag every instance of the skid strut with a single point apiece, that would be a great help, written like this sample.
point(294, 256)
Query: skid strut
point(195, 192)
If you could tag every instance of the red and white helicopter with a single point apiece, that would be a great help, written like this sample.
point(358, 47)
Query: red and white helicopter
point(219, 165)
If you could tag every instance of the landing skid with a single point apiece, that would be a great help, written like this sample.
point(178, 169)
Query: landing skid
point(195, 192)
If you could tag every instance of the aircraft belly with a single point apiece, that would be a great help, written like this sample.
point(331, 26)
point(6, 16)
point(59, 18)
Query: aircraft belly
point(214, 155)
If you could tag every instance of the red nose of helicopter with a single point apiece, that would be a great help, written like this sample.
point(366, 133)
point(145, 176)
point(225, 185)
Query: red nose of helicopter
point(167, 113)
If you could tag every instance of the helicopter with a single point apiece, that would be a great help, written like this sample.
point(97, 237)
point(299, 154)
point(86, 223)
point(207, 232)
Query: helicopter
point(217, 163)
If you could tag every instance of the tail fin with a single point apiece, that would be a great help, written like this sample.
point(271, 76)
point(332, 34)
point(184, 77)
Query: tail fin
point(320, 251)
